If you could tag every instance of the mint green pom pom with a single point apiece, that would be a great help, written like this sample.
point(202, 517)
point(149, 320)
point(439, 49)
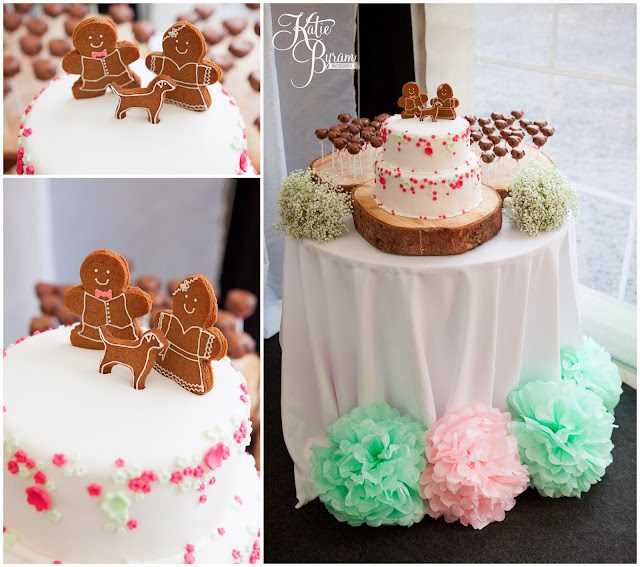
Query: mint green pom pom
point(592, 369)
point(371, 471)
point(564, 436)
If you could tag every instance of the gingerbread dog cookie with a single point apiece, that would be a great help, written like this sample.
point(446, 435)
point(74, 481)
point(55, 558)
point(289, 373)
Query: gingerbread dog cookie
point(182, 58)
point(99, 58)
point(193, 341)
point(150, 98)
point(447, 104)
point(139, 355)
point(105, 298)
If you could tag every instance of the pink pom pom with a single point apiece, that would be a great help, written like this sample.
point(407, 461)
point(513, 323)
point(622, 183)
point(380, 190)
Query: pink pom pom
point(473, 472)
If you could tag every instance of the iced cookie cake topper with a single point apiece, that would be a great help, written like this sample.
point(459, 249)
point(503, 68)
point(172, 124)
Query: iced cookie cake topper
point(446, 102)
point(105, 298)
point(193, 340)
point(413, 103)
point(151, 98)
point(99, 58)
point(182, 59)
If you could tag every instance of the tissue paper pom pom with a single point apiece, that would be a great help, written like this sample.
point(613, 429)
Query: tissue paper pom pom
point(564, 436)
point(473, 472)
point(592, 369)
point(371, 470)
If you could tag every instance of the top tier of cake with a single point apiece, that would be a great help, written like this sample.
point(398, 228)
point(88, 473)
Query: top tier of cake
point(427, 169)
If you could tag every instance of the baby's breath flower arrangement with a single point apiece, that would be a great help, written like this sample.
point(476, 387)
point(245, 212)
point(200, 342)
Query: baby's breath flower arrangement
point(312, 209)
point(541, 199)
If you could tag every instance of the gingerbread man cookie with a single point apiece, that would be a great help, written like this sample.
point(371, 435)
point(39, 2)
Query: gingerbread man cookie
point(99, 58)
point(182, 58)
point(446, 102)
point(105, 298)
point(193, 340)
point(412, 100)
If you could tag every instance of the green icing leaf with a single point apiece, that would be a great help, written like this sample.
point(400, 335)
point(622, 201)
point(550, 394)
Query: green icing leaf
point(10, 539)
point(134, 471)
point(54, 515)
point(120, 476)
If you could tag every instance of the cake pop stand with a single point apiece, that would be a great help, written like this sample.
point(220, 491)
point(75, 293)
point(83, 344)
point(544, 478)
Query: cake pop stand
point(424, 334)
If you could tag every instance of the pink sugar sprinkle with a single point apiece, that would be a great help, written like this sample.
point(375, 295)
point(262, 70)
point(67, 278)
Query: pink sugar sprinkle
point(57, 562)
point(28, 109)
point(36, 332)
point(21, 339)
point(236, 554)
point(119, 462)
point(238, 499)
point(201, 487)
point(221, 531)
point(213, 480)
point(132, 524)
point(243, 387)
point(203, 498)
point(21, 126)
point(244, 398)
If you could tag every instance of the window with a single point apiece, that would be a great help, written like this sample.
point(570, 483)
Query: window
point(575, 66)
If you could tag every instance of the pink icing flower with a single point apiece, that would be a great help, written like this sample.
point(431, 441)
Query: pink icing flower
point(473, 472)
point(189, 558)
point(187, 471)
point(119, 463)
point(40, 478)
point(94, 489)
point(12, 467)
point(59, 459)
point(198, 471)
point(244, 388)
point(221, 531)
point(132, 524)
point(20, 153)
point(135, 484)
point(176, 477)
point(203, 498)
point(190, 548)
point(38, 498)
point(21, 456)
point(243, 160)
point(236, 554)
point(238, 499)
point(30, 463)
point(57, 562)
point(213, 480)
point(30, 170)
point(218, 453)
point(148, 476)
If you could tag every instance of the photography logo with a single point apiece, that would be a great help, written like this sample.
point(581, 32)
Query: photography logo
point(305, 38)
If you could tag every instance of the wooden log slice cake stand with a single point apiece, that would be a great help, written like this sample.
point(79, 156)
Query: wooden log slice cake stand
point(417, 237)
point(346, 181)
point(499, 175)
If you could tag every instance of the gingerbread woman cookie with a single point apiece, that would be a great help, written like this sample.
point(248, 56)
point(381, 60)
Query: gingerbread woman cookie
point(447, 104)
point(99, 58)
point(105, 298)
point(193, 340)
point(182, 58)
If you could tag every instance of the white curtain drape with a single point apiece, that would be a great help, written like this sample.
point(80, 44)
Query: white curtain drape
point(291, 116)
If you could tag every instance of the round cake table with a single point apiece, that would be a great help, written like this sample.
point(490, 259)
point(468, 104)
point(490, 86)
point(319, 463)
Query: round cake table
point(423, 334)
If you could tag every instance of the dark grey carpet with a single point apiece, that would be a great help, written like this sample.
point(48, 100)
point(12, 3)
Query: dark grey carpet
point(600, 527)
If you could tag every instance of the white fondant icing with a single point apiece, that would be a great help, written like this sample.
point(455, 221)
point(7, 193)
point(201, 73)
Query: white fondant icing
point(427, 169)
point(57, 402)
point(83, 137)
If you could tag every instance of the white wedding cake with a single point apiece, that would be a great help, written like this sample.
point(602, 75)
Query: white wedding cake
point(427, 169)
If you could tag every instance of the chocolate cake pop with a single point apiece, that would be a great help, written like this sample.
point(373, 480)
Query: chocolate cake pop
point(214, 35)
point(471, 119)
point(500, 149)
point(517, 132)
point(484, 121)
point(78, 10)
point(496, 116)
point(533, 129)
point(332, 135)
point(205, 11)
point(44, 69)
point(485, 145)
point(12, 21)
point(70, 25)
point(121, 13)
point(59, 47)
point(322, 133)
point(339, 143)
point(65, 316)
point(525, 123)
point(365, 122)
point(354, 129)
point(344, 118)
point(375, 124)
point(540, 123)
point(488, 129)
point(239, 344)
point(41, 324)
point(23, 8)
point(256, 27)
point(548, 131)
point(37, 26)
point(149, 283)
point(49, 303)
point(223, 60)
point(10, 66)
point(376, 141)
point(241, 303)
point(501, 124)
point(476, 135)
point(494, 138)
point(517, 154)
point(366, 135)
point(235, 25)
point(517, 114)
point(53, 10)
point(142, 31)
point(513, 141)
point(487, 157)
point(31, 44)
point(539, 140)
point(192, 17)
point(240, 47)
point(509, 120)
point(42, 288)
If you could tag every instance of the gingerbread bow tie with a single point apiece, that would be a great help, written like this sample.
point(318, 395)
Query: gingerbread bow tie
point(95, 54)
point(108, 294)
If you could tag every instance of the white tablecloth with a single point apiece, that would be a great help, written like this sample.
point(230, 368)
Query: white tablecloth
point(423, 334)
